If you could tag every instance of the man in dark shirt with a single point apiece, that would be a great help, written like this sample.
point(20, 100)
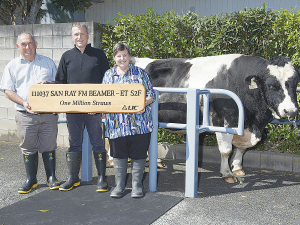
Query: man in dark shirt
point(83, 64)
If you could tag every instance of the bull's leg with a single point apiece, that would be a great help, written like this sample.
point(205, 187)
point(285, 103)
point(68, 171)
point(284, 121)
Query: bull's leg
point(236, 165)
point(225, 148)
point(241, 143)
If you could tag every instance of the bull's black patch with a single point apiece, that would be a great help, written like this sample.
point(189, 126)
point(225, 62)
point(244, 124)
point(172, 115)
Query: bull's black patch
point(279, 61)
point(168, 72)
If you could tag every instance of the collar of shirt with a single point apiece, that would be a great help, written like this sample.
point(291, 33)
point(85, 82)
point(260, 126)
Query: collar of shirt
point(87, 48)
point(35, 58)
point(128, 72)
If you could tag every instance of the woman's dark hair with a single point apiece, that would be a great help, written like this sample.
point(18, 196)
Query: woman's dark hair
point(121, 46)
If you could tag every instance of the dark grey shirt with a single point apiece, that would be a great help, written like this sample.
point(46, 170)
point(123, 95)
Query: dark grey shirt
point(78, 68)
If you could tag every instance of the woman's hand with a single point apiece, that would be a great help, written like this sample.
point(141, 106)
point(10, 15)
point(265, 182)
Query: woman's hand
point(148, 101)
point(140, 112)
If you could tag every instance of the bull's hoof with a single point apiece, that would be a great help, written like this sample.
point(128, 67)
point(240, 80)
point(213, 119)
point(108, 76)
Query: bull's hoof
point(160, 165)
point(240, 173)
point(229, 179)
point(110, 162)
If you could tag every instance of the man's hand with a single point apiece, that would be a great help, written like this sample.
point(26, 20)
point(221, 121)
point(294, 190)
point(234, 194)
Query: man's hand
point(46, 82)
point(13, 96)
point(27, 108)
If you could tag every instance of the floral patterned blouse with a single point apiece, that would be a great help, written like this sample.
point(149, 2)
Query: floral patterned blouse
point(124, 124)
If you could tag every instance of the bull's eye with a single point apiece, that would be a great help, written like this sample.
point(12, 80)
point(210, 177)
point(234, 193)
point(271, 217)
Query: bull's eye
point(272, 87)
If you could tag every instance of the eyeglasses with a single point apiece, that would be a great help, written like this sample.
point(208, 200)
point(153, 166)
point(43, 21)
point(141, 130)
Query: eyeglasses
point(24, 45)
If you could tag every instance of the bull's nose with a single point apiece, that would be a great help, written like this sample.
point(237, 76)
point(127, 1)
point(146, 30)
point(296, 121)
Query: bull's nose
point(290, 113)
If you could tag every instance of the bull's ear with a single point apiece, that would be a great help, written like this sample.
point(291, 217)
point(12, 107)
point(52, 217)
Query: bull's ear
point(252, 82)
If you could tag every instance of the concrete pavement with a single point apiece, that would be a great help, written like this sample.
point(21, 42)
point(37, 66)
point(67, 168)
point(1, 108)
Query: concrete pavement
point(266, 196)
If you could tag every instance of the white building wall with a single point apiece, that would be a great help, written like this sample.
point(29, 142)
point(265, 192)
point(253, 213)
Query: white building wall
point(105, 12)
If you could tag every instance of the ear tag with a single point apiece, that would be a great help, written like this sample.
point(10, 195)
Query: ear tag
point(253, 84)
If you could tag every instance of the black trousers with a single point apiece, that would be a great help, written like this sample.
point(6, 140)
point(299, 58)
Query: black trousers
point(132, 146)
point(76, 123)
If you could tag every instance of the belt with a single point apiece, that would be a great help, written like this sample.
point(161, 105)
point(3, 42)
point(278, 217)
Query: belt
point(23, 111)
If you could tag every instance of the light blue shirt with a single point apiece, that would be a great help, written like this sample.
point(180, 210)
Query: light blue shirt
point(19, 74)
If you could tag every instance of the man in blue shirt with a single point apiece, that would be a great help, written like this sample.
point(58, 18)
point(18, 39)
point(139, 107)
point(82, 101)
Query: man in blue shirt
point(83, 64)
point(37, 132)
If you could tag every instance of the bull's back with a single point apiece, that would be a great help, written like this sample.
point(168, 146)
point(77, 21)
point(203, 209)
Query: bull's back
point(180, 72)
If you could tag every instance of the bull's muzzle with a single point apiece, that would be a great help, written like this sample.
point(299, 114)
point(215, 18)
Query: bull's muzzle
point(290, 113)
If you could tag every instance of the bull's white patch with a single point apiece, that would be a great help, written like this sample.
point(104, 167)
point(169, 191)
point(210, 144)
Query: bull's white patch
point(143, 62)
point(248, 140)
point(283, 74)
point(274, 114)
point(205, 69)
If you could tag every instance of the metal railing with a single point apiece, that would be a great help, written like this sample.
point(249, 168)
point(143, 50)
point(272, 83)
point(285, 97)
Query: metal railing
point(192, 131)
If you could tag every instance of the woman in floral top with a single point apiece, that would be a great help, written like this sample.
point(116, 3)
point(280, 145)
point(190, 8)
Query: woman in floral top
point(129, 134)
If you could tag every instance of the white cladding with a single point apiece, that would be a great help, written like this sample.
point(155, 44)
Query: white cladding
point(108, 9)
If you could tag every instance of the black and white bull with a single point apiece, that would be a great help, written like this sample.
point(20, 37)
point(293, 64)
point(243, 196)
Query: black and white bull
point(266, 87)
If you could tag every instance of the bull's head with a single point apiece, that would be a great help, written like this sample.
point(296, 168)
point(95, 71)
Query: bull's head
point(278, 84)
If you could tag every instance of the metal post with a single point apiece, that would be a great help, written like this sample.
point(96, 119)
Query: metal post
point(192, 144)
point(86, 162)
point(153, 146)
point(205, 120)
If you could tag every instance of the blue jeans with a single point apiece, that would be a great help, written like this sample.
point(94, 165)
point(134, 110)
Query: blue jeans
point(93, 123)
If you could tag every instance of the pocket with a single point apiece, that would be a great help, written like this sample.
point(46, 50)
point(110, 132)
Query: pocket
point(44, 74)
